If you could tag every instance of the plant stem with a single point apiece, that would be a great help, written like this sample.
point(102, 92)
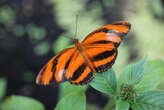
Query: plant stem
point(110, 103)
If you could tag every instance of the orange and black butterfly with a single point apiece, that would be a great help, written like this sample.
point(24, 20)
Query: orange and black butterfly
point(96, 53)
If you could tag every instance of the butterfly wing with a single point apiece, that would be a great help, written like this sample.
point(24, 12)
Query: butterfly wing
point(111, 33)
point(56, 68)
point(101, 45)
point(78, 71)
point(67, 65)
point(102, 57)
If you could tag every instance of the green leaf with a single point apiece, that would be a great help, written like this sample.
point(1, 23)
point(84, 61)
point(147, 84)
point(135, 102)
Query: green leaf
point(161, 85)
point(42, 48)
point(110, 77)
point(3, 84)
point(132, 74)
point(153, 100)
point(19, 30)
point(7, 15)
point(66, 88)
point(153, 74)
point(73, 101)
point(105, 82)
point(122, 105)
point(35, 32)
point(21, 103)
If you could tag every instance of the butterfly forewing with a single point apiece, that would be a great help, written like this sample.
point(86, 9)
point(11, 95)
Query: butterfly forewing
point(111, 33)
point(101, 45)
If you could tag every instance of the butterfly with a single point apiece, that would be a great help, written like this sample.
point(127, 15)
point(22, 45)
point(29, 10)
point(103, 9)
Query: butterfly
point(96, 53)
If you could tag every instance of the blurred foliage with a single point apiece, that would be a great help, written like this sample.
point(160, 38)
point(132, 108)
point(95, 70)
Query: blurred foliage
point(7, 15)
point(42, 48)
point(122, 105)
point(66, 18)
point(21, 103)
point(147, 28)
point(92, 107)
point(72, 101)
point(19, 30)
point(122, 59)
point(157, 9)
point(59, 45)
point(161, 85)
point(35, 33)
point(3, 84)
point(66, 88)
point(29, 77)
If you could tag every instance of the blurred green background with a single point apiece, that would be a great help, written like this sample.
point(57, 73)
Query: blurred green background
point(33, 31)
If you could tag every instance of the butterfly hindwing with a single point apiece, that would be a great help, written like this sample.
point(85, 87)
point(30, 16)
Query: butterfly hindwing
point(78, 71)
point(102, 57)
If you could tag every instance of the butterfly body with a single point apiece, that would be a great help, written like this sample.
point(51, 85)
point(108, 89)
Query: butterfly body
point(82, 50)
point(96, 53)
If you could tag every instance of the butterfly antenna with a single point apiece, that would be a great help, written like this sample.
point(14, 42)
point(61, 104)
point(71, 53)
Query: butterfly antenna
point(75, 30)
point(76, 27)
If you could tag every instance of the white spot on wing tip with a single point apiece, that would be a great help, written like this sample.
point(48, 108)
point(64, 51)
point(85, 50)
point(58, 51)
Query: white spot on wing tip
point(111, 37)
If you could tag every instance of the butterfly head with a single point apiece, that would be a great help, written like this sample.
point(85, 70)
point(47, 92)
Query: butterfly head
point(75, 40)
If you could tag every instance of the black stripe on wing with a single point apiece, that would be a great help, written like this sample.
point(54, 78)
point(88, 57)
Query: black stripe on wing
point(67, 64)
point(105, 55)
point(105, 30)
point(105, 67)
point(102, 42)
point(78, 72)
point(86, 80)
point(55, 62)
point(102, 30)
point(106, 42)
point(122, 23)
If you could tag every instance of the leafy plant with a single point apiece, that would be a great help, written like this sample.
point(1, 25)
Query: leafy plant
point(3, 83)
point(16, 102)
point(135, 88)
point(21, 103)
